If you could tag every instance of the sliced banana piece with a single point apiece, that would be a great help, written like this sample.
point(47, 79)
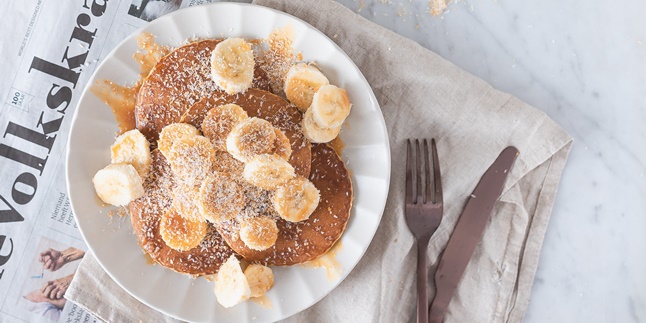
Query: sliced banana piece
point(301, 82)
point(296, 200)
point(172, 133)
point(185, 202)
point(118, 184)
point(180, 233)
point(232, 65)
point(220, 197)
point(219, 121)
point(268, 171)
point(258, 233)
point(283, 147)
point(250, 138)
point(132, 148)
point(330, 106)
point(225, 163)
point(191, 159)
point(315, 133)
point(260, 279)
point(231, 285)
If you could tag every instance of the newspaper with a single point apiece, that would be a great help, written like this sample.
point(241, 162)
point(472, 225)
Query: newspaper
point(49, 51)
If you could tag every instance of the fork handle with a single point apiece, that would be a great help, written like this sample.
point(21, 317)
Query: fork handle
point(422, 281)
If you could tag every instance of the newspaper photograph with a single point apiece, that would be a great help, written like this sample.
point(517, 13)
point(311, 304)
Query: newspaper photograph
point(49, 56)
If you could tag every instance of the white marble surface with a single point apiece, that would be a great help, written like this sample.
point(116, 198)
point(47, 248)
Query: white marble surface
point(584, 64)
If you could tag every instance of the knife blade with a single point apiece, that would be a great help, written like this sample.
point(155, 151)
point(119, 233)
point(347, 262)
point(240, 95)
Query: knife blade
point(468, 232)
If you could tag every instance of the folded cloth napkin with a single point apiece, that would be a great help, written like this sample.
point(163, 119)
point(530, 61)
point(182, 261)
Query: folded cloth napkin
point(421, 96)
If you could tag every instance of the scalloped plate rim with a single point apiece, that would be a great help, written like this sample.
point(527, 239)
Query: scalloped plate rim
point(223, 6)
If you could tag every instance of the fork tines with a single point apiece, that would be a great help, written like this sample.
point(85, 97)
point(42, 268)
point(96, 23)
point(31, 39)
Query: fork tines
point(415, 191)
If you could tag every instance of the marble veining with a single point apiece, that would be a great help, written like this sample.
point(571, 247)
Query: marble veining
point(584, 64)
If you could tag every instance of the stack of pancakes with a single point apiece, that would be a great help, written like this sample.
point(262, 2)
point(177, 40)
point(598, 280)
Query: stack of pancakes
point(179, 89)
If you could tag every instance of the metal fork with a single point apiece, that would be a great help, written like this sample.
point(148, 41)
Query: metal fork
point(424, 209)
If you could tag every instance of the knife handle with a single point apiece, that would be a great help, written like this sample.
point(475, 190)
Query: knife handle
point(440, 302)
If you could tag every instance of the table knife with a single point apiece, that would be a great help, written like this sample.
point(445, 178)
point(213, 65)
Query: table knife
point(468, 232)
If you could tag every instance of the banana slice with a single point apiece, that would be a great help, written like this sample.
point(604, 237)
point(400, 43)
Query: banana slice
point(330, 106)
point(258, 233)
point(219, 121)
point(191, 159)
point(250, 138)
point(185, 202)
point(283, 147)
point(260, 279)
point(232, 65)
point(225, 163)
point(221, 197)
point(296, 200)
point(314, 133)
point(179, 232)
point(231, 286)
point(118, 184)
point(172, 133)
point(301, 82)
point(268, 171)
point(132, 148)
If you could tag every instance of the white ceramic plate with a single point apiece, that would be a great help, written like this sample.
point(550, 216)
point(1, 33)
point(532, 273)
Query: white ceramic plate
point(112, 241)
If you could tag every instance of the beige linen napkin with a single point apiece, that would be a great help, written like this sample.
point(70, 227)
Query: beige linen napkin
point(421, 96)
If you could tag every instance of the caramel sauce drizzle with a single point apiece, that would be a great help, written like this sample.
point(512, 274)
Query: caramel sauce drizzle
point(263, 301)
point(338, 145)
point(122, 99)
point(328, 261)
point(150, 53)
point(149, 259)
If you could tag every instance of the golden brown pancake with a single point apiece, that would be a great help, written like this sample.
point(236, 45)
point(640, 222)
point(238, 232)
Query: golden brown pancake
point(205, 259)
point(265, 105)
point(306, 240)
point(179, 88)
point(179, 80)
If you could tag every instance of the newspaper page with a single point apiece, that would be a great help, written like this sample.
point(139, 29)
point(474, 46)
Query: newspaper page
point(49, 51)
